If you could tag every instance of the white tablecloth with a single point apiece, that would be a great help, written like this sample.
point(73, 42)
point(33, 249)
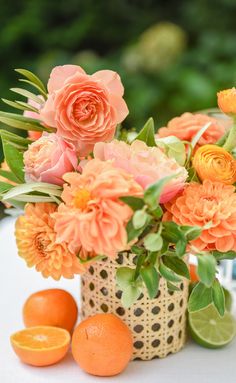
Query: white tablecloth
point(192, 365)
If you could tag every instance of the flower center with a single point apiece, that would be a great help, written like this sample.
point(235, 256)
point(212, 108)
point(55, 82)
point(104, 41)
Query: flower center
point(81, 199)
point(41, 244)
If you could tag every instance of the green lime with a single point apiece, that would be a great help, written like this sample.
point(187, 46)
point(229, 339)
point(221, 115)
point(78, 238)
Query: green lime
point(211, 330)
point(228, 299)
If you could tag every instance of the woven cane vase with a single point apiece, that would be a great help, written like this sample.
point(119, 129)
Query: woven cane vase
point(158, 325)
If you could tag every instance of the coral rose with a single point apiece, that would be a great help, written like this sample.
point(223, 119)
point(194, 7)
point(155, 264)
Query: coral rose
point(84, 109)
point(36, 242)
point(93, 218)
point(48, 159)
point(216, 164)
point(146, 164)
point(227, 100)
point(211, 203)
point(188, 125)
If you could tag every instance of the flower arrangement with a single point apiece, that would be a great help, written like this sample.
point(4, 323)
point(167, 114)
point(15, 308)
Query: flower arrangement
point(87, 194)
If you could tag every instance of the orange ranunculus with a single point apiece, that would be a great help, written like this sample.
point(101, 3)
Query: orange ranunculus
point(214, 163)
point(227, 100)
point(210, 203)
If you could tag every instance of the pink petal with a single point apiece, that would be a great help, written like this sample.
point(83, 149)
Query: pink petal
point(120, 107)
point(47, 113)
point(111, 80)
point(59, 74)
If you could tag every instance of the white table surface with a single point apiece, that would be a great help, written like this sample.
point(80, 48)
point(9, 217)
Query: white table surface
point(193, 364)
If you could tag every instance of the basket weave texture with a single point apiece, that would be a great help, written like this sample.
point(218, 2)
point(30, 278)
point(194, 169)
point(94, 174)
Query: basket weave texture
point(158, 325)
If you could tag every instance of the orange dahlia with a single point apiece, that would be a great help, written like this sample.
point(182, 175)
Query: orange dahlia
point(36, 242)
point(186, 126)
point(227, 100)
point(211, 203)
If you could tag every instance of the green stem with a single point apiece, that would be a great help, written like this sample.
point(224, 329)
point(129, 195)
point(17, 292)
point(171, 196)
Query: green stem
point(230, 142)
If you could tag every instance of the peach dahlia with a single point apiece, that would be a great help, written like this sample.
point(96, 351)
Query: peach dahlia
point(212, 204)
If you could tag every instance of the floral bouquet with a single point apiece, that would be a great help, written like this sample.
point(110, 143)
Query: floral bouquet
point(90, 192)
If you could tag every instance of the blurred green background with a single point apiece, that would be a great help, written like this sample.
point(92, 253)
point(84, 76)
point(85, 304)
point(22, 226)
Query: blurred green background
point(172, 55)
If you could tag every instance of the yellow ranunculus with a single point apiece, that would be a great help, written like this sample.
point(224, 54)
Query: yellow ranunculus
point(214, 163)
point(227, 100)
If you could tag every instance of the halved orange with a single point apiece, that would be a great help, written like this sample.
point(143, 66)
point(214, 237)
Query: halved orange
point(41, 345)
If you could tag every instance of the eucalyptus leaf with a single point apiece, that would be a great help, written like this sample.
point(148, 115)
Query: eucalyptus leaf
point(221, 256)
point(168, 274)
point(140, 217)
point(32, 187)
point(129, 295)
point(201, 297)
point(134, 202)
point(153, 192)
point(147, 133)
point(124, 276)
point(151, 279)
point(177, 265)
point(218, 297)
point(206, 269)
point(153, 242)
point(174, 148)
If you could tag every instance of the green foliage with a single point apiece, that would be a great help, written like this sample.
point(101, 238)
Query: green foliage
point(201, 296)
point(147, 133)
point(206, 269)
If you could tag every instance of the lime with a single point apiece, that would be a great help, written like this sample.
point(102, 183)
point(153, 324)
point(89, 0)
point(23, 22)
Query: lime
point(211, 330)
point(228, 299)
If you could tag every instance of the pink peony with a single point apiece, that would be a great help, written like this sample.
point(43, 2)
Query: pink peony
point(84, 109)
point(147, 164)
point(48, 159)
point(92, 217)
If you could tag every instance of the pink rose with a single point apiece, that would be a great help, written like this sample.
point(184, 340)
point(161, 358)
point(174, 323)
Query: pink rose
point(48, 159)
point(147, 164)
point(84, 109)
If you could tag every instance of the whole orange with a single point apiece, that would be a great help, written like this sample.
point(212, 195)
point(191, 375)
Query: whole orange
point(102, 345)
point(193, 273)
point(52, 307)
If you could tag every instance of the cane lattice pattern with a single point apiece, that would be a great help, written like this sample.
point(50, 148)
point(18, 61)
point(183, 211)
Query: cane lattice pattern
point(158, 325)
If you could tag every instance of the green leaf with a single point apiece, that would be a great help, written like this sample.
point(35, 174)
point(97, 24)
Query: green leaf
point(129, 295)
point(147, 133)
point(40, 187)
point(201, 296)
point(221, 256)
point(32, 77)
point(180, 247)
point(133, 233)
point(153, 192)
point(172, 232)
point(41, 91)
point(153, 242)
point(125, 276)
point(157, 212)
point(27, 94)
point(151, 279)
point(206, 269)
point(168, 274)
point(14, 159)
point(137, 250)
point(191, 232)
point(8, 175)
point(4, 187)
point(32, 198)
point(140, 217)
point(218, 297)
point(20, 105)
point(197, 137)
point(20, 122)
point(177, 265)
point(172, 287)
point(14, 139)
point(174, 148)
point(133, 202)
